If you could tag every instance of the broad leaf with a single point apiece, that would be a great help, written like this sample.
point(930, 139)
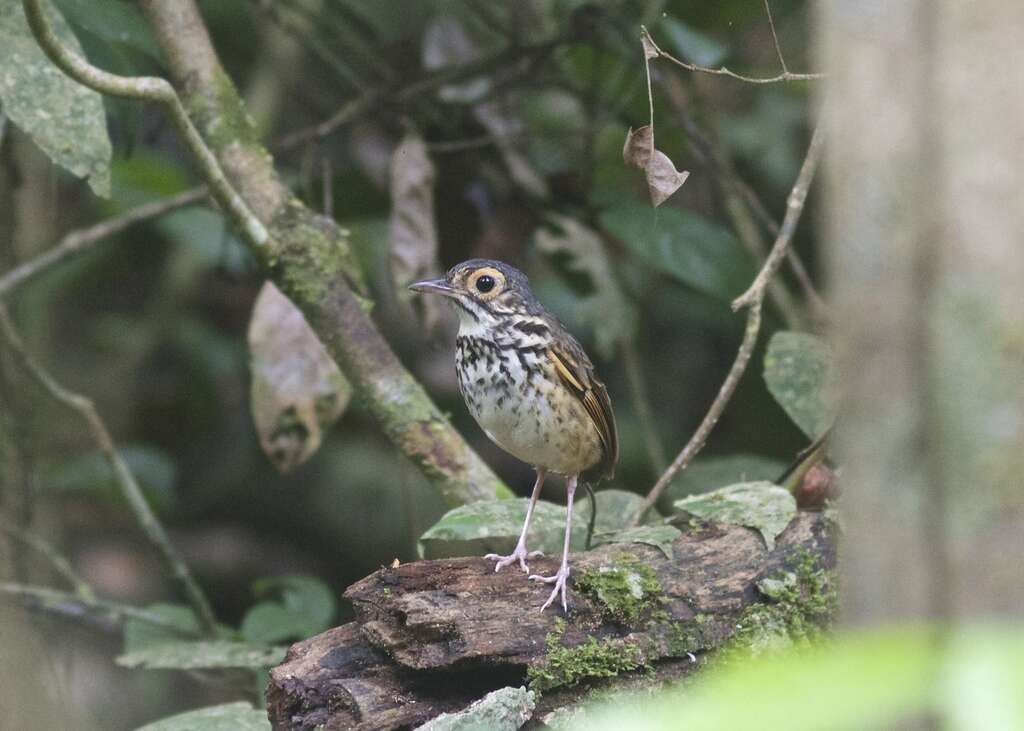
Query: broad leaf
point(239, 716)
point(113, 21)
point(270, 622)
point(660, 536)
point(684, 245)
point(614, 509)
point(202, 654)
point(304, 607)
point(64, 118)
point(297, 390)
point(505, 709)
point(154, 470)
point(760, 505)
point(142, 635)
point(799, 372)
point(710, 473)
point(493, 526)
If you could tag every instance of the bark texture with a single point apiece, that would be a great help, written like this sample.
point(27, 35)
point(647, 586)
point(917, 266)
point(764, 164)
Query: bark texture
point(432, 636)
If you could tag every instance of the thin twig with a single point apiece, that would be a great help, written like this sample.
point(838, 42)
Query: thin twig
point(723, 71)
point(56, 559)
point(148, 522)
point(775, 37)
point(76, 606)
point(752, 299)
point(78, 241)
point(149, 88)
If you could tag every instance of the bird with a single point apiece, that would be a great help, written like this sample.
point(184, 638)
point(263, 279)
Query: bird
point(530, 386)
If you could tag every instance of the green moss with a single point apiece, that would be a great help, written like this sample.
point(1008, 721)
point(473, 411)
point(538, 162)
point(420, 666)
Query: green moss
point(593, 659)
point(800, 605)
point(682, 638)
point(625, 592)
point(310, 256)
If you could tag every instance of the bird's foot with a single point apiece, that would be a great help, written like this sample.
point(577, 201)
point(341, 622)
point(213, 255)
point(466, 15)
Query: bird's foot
point(560, 580)
point(520, 554)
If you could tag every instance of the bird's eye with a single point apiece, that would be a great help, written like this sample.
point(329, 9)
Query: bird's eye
point(485, 284)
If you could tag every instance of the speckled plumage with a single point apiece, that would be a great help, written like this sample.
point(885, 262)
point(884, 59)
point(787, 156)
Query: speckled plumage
point(529, 385)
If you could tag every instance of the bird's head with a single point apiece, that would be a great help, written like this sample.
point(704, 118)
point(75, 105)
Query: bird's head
point(483, 290)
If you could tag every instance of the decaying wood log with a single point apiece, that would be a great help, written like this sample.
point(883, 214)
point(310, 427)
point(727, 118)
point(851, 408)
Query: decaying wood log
point(432, 636)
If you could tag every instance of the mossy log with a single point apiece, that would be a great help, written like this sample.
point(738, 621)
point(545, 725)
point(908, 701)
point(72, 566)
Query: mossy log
point(432, 636)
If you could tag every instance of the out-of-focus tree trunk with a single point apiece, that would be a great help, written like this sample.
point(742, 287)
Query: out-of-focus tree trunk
point(925, 223)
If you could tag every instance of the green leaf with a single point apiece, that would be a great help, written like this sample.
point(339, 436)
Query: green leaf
point(492, 526)
point(306, 607)
point(64, 118)
point(692, 45)
point(614, 509)
point(684, 245)
point(113, 21)
point(153, 468)
point(760, 505)
point(709, 473)
point(270, 622)
point(505, 709)
point(239, 716)
point(659, 536)
point(799, 372)
point(202, 654)
point(141, 635)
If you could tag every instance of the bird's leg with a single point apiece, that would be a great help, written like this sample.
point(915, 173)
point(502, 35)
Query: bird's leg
point(520, 553)
point(562, 577)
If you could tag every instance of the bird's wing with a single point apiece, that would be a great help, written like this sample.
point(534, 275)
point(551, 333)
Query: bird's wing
point(577, 373)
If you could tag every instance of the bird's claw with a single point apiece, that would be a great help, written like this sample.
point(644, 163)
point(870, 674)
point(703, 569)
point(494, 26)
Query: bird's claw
point(520, 554)
point(560, 580)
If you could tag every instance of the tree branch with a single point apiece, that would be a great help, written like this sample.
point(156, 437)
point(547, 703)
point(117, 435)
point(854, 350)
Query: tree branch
point(148, 522)
point(76, 606)
point(723, 71)
point(752, 300)
point(81, 240)
point(309, 258)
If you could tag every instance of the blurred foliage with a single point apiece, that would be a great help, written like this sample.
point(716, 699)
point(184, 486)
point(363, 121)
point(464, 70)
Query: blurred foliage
point(526, 149)
point(878, 679)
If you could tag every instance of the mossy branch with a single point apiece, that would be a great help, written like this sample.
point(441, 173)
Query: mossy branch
point(306, 255)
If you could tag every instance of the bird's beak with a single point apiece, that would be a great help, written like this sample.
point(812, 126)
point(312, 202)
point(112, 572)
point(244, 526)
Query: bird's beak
point(438, 286)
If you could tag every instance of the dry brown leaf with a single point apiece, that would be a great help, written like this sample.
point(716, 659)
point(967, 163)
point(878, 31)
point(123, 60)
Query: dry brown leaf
point(650, 51)
point(639, 146)
point(297, 390)
point(411, 227)
point(662, 177)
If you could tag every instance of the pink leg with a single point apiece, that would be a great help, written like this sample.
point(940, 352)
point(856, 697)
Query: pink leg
point(520, 553)
point(560, 578)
